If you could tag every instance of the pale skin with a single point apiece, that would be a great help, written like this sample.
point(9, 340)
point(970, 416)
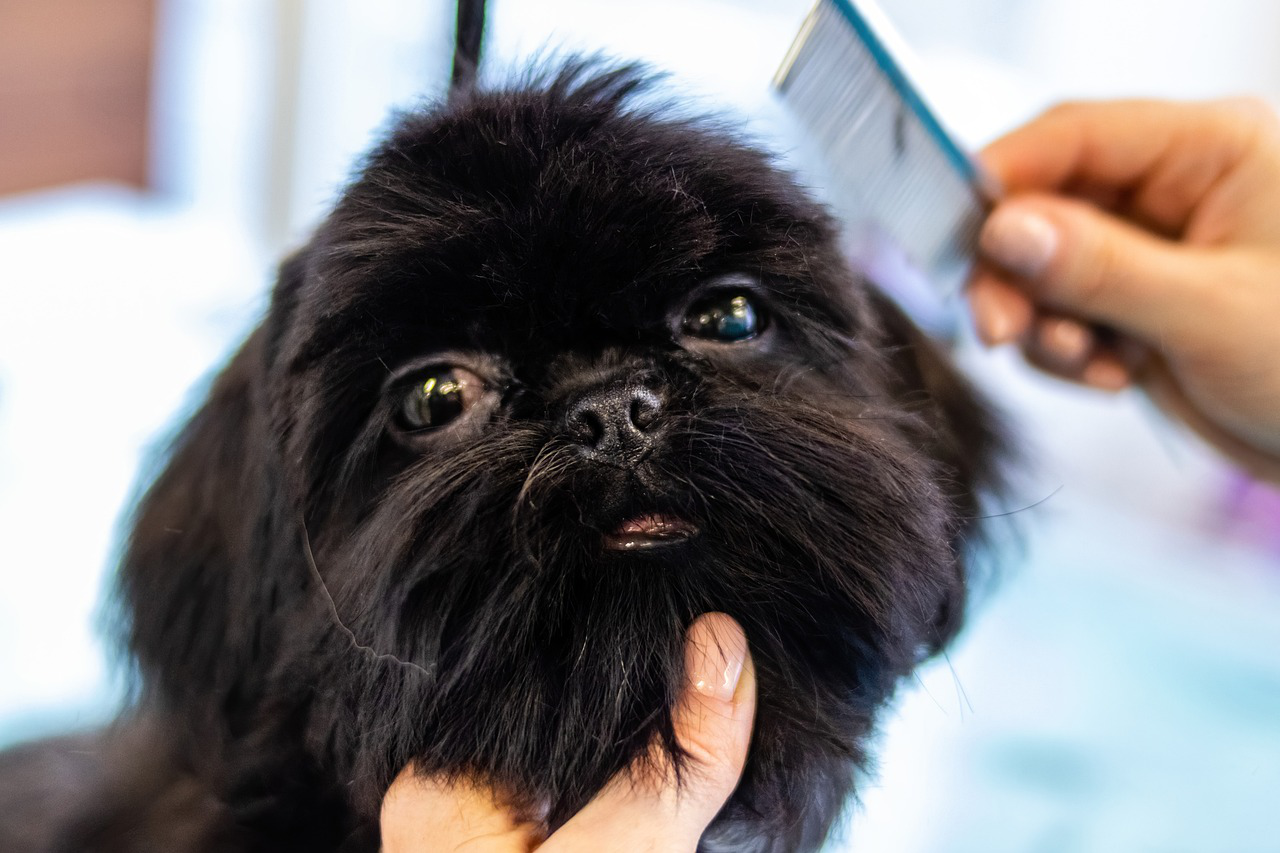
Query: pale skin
point(1138, 243)
point(644, 810)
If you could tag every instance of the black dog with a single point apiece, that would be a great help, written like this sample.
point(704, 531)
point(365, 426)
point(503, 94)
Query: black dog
point(557, 375)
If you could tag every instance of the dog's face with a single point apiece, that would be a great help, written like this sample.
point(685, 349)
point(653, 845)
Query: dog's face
point(556, 377)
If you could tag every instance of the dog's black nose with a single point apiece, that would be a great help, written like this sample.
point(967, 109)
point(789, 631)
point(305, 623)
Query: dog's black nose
point(616, 423)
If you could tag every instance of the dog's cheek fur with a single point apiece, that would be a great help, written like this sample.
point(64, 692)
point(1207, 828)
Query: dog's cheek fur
point(958, 428)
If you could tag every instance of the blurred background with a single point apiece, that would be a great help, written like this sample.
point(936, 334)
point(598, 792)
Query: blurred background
point(1118, 688)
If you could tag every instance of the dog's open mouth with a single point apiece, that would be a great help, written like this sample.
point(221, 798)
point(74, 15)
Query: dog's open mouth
point(651, 530)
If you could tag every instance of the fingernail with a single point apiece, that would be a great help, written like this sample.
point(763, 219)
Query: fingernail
point(1020, 240)
point(715, 651)
point(995, 322)
point(1107, 375)
point(1068, 340)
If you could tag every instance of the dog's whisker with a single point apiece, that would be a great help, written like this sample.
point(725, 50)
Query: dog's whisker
point(332, 609)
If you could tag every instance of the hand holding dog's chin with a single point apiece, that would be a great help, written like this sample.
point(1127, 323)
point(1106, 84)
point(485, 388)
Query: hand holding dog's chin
point(642, 808)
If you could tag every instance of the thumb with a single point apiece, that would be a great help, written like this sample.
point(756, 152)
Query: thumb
point(650, 808)
point(439, 814)
point(1075, 259)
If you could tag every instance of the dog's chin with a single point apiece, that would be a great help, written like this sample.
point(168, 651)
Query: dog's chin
point(544, 617)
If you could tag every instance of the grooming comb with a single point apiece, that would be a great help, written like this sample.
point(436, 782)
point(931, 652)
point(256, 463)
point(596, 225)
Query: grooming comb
point(911, 198)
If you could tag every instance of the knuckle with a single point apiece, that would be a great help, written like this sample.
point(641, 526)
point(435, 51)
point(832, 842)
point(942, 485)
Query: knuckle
point(1093, 262)
point(1064, 110)
point(1245, 115)
point(1249, 107)
point(1102, 273)
point(1066, 107)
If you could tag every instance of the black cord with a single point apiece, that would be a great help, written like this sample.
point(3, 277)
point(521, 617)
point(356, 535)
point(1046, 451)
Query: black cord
point(466, 45)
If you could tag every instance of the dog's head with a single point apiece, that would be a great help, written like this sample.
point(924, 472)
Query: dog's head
point(556, 376)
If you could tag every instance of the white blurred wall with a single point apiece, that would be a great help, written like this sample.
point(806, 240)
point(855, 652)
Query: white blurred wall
point(264, 106)
point(1099, 48)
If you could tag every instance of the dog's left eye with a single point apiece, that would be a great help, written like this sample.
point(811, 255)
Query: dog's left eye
point(441, 396)
point(724, 317)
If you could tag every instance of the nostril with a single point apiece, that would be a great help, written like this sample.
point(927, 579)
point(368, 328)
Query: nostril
point(645, 406)
point(586, 426)
point(614, 420)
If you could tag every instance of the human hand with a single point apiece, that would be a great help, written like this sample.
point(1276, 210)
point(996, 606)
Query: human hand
point(1160, 222)
point(637, 810)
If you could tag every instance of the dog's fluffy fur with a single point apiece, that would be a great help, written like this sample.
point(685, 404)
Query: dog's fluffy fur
point(317, 595)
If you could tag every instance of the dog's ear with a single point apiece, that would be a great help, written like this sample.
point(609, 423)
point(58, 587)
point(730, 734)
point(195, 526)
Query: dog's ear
point(194, 583)
point(962, 431)
point(190, 544)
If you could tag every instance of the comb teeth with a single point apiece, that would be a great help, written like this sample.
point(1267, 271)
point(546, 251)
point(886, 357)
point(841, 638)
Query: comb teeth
point(895, 170)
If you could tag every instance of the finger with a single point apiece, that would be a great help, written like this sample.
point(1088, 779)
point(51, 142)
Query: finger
point(1089, 359)
point(1168, 154)
point(714, 718)
point(420, 815)
point(641, 811)
point(1107, 370)
point(1064, 341)
point(1002, 313)
point(1075, 260)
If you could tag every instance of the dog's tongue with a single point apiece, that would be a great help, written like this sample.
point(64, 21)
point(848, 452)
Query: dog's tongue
point(649, 530)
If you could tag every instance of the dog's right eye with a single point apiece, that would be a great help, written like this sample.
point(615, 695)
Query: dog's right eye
point(438, 397)
point(726, 317)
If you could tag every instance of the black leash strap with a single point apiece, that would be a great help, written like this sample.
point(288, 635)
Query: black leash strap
point(466, 45)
